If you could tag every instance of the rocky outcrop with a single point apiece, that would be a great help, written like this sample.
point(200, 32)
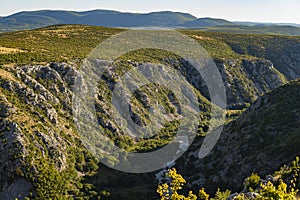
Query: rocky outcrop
point(35, 106)
point(283, 52)
point(19, 189)
point(244, 80)
point(287, 60)
point(12, 152)
point(247, 195)
point(263, 74)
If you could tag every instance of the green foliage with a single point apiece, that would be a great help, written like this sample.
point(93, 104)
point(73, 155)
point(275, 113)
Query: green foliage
point(265, 191)
point(71, 42)
point(105, 194)
point(170, 191)
point(291, 174)
point(203, 195)
point(240, 197)
point(269, 191)
point(50, 184)
point(252, 182)
point(221, 195)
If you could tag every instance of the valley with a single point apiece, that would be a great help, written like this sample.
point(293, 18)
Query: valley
point(41, 149)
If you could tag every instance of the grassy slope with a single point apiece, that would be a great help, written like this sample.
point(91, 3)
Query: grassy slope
point(261, 30)
point(56, 43)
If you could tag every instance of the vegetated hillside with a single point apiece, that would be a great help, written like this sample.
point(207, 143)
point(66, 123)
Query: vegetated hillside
point(257, 29)
point(259, 141)
point(282, 51)
point(37, 19)
point(40, 147)
point(55, 43)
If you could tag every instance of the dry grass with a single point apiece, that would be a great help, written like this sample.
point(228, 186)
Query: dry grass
point(6, 75)
point(6, 50)
point(62, 33)
point(198, 37)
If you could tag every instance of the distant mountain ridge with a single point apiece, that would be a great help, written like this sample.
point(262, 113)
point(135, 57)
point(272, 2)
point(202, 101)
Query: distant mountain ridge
point(265, 24)
point(37, 19)
point(27, 20)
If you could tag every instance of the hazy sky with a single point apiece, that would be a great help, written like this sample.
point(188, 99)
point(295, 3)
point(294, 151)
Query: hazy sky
point(235, 10)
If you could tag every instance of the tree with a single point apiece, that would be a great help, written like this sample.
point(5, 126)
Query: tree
point(169, 191)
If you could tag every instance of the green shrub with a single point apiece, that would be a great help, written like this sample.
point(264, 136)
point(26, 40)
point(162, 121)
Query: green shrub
point(252, 182)
point(221, 195)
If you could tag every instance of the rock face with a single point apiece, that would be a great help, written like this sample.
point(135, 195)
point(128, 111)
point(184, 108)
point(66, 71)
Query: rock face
point(248, 195)
point(35, 105)
point(247, 79)
point(287, 60)
point(281, 51)
point(13, 151)
point(244, 80)
point(19, 189)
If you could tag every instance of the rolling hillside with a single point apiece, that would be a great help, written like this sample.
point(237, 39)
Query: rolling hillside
point(242, 29)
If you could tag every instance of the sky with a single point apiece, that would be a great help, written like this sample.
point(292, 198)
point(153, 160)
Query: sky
point(234, 10)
